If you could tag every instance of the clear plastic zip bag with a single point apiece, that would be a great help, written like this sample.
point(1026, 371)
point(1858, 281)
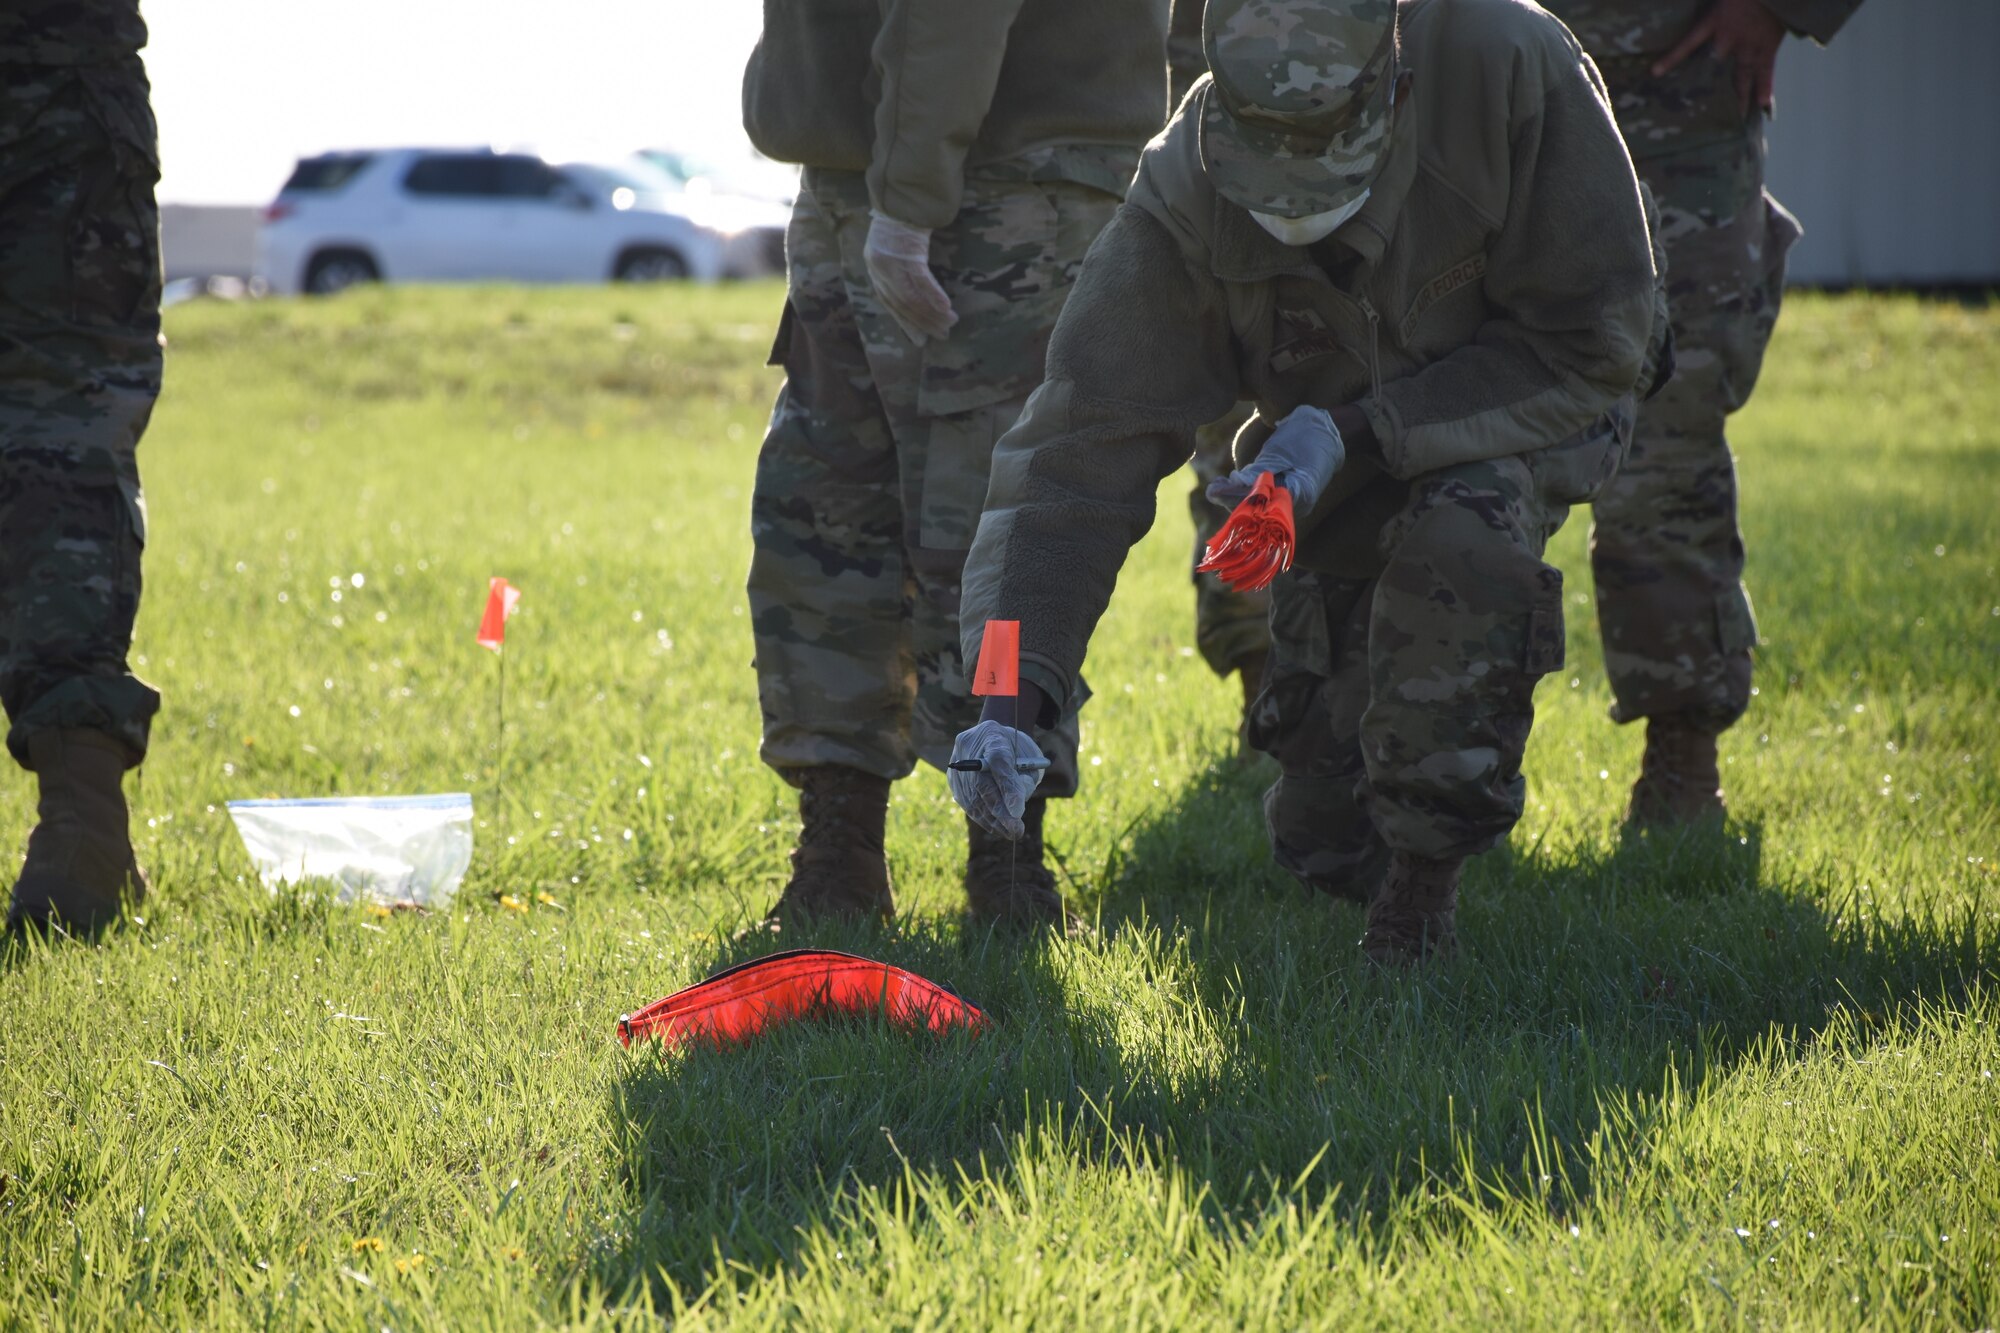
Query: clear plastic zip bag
point(383, 849)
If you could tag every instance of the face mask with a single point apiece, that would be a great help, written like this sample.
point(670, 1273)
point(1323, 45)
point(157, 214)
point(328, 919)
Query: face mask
point(1317, 227)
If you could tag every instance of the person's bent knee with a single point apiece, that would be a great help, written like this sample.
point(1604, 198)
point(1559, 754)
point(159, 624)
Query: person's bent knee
point(1320, 836)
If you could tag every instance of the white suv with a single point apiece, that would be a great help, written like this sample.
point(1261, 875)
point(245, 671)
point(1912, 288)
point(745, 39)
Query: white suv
point(450, 215)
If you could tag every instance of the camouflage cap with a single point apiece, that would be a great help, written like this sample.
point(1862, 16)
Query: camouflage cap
point(1297, 118)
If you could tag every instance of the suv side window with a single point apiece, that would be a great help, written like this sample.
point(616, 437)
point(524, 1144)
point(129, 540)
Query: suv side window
point(328, 171)
point(456, 176)
point(525, 177)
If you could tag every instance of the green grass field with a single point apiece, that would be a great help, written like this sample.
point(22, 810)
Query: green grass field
point(1741, 1082)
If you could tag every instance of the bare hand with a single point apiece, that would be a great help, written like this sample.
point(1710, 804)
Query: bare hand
point(1739, 30)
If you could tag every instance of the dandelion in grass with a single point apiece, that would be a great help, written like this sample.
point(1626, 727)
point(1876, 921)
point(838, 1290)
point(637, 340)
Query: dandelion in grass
point(364, 1244)
point(512, 904)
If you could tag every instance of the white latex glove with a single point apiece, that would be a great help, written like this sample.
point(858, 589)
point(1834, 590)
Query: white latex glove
point(1011, 767)
point(1306, 449)
point(899, 263)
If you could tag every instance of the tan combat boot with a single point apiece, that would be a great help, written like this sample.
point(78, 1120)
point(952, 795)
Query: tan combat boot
point(1007, 883)
point(80, 863)
point(1413, 917)
point(1679, 782)
point(839, 868)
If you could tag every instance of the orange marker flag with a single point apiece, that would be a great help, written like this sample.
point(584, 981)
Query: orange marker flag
point(999, 669)
point(500, 599)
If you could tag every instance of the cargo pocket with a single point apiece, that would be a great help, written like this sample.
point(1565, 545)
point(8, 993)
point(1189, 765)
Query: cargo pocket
point(134, 497)
point(781, 345)
point(1288, 718)
point(1576, 470)
point(1733, 315)
point(1545, 648)
point(1278, 722)
point(1735, 622)
point(1781, 232)
point(999, 263)
point(113, 230)
point(958, 460)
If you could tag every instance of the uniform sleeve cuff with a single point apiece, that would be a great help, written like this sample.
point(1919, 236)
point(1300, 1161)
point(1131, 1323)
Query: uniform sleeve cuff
point(1388, 437)
point(1809, 18)
point(1045, 676)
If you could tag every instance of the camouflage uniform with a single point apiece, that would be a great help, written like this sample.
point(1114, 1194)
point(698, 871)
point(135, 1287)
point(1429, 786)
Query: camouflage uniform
point(1398, 706)
point(1491, 309)
point(872, 475)
point(1666, 551)
point(79, 364)
point(1008, 131)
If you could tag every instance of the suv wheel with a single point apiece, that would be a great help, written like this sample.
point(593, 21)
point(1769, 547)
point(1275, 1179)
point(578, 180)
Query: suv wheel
point(649, 265)
point(333, 271)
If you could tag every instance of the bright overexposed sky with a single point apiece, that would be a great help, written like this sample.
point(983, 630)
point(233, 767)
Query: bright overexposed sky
point(244, 87)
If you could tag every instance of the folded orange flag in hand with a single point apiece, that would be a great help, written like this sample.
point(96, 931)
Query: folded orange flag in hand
point(1257, 543)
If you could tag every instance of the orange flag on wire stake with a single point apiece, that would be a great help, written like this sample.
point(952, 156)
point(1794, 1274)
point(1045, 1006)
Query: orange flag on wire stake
point(999, 669)
point(500, 599)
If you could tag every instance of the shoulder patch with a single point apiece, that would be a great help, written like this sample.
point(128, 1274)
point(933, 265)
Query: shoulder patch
point(1462, 274)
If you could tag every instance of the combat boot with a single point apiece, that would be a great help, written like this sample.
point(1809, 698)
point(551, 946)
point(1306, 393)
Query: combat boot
point(80, 864)
point(1413, 917)
point(839, 869)
point(1679, 782)
point(1007, 883)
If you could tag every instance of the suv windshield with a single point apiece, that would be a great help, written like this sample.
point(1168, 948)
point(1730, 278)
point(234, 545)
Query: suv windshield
point(329, 171)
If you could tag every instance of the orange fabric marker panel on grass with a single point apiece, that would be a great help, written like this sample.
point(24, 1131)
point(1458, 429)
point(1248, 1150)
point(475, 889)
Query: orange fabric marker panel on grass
point(737, 1004)
point(1257, 543)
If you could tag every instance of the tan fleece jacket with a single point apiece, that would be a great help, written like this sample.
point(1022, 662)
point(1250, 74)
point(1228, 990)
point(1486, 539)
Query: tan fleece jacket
point(1496, 296)
point(921, 93)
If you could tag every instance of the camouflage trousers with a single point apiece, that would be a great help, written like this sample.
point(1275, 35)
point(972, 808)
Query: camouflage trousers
point(1665, 548)
point(873, 473)
point(1398, 706)
point(79, 371)
point(1230, 627)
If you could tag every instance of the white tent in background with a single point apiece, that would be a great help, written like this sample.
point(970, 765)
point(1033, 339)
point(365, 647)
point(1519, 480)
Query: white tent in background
point(1887, 146)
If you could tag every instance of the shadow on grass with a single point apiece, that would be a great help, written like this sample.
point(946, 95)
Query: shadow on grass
point(729, 1153)
point(1588, 976)
point(1221, 1020)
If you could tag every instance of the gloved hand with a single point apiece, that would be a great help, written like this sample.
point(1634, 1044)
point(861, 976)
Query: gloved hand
point(1306, 449)
point(899, 263)
point(996, 795)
